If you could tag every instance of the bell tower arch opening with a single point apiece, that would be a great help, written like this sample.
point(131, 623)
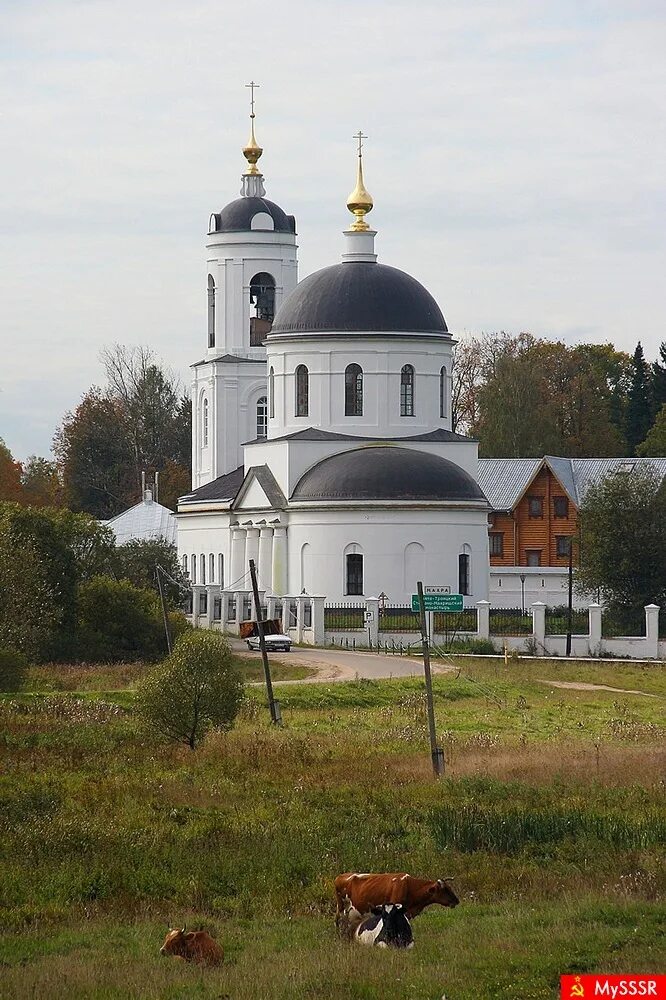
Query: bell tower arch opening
point(262, 307)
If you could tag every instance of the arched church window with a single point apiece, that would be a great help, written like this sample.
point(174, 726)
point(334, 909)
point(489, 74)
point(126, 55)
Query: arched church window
point(302, 391)
point(442, 392)
point(407, 391)
point(262, 417)
point(204, 422)
point(465, 570)
point(353, 391)
point(262, 307)
point(220, 570)
point(271, 392)
point(211, 311)
point(203, 568)
point(211, 568)
point(193, 568)
point(185, 566)
point(353, 572)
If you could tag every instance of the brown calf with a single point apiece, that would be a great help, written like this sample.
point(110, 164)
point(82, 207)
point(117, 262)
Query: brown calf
point(192, 946)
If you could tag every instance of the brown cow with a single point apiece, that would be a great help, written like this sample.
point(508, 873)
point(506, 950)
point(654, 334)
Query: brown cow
point(366, 890)
point(193, 946)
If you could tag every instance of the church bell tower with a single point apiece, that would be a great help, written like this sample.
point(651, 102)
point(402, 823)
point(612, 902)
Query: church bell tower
point(252, 266)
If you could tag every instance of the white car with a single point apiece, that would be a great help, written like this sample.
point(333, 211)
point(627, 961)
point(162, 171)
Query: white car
point(273, 642)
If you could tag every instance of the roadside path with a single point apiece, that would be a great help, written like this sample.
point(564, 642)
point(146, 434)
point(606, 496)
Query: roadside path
point(582, 686)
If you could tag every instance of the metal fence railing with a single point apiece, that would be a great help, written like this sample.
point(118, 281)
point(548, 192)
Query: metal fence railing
point(231, 609)
point(450, 622)
point(341, 617)
point(557, 621)
point(611, 626)
point(510, 621)
point(399, 618)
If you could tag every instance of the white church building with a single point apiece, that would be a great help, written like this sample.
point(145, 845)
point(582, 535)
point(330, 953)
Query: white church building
point(322, 445)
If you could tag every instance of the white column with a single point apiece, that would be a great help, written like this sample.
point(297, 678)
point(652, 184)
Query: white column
point(238, 567)
point(251, 547)
point(318, 634)
point(539, 622)
point(594, 627)
point(652, 631)
point(280, 561)
point(265, 568)
point(483, 619)
point(372, 625)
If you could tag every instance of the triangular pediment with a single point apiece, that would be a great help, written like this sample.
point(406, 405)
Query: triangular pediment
point(259, 491)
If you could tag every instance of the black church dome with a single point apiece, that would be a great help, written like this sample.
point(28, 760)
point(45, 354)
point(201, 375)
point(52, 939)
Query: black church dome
point(360, 296)
point(386, 473)
point(236, 217)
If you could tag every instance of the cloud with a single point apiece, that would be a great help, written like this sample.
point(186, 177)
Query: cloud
point(515, 156)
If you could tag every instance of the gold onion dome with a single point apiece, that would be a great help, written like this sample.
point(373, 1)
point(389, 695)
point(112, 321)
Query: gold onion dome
point(359, 201)
point(252, 151)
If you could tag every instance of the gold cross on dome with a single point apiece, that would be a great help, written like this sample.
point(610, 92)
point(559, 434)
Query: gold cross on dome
point(359, 135)
point(252, 86)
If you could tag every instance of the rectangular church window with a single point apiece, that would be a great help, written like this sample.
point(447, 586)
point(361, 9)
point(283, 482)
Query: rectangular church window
point(354, 574)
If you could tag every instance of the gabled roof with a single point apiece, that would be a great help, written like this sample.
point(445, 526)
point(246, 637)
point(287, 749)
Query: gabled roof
point(230, 359)
point(263, 475)
point(505, 480)
point(316, 434)
point(224, 488)
point(145, 521)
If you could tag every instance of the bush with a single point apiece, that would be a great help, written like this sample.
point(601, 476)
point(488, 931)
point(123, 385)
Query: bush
point(13, 667)
point(481, 647)
point(197, 688)
point(119, 622)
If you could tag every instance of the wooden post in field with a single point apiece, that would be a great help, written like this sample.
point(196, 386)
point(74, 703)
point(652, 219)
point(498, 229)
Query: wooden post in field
point(570, 601)
point(436, 753)
point(165, 617)
point(272, 704)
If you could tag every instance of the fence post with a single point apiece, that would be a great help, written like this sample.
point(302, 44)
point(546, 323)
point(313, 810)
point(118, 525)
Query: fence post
point(240, 604)
point(214, 590)
point(372, 627)
point(652, 631)
point(483, 619)
point(270, 606)
point(594, 627)
point(539, 623)
point(196, 590)
point(286, 602)
point(318, 634)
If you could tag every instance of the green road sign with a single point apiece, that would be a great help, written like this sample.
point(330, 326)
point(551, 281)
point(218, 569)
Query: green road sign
point(439, 602)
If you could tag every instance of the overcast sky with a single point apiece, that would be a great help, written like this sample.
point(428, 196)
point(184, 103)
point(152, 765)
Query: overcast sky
point(516, 157)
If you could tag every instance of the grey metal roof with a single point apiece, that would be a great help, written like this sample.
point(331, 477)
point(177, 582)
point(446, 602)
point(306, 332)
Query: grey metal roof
point(236, 217)
point(504, 480)
point(222, 488)
point(230, 359)
point(316, 434)
point(357, 297)
point(386, 473)
point(145, 521)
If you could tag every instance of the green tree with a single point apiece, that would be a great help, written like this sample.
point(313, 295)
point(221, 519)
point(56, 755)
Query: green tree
point(13, 669)
point(37, 529)
point(639, 402)
point(197, 688)
point(136, 561)
point(654, 445)
point(11, 487)
point(118, 622)
point(623, 542)
point(659, 379)
point(94, 457)
point(28, 606)
point(41, 483)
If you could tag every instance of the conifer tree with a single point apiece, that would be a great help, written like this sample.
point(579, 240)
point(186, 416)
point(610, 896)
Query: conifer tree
point(659, 380)
point(639, 402)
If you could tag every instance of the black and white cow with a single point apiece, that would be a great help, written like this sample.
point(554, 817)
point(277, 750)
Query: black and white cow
point(385, 926)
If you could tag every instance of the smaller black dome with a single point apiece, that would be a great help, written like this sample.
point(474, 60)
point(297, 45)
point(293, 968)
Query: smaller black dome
point(236, 217)
point(386, 473)
point(359, 296)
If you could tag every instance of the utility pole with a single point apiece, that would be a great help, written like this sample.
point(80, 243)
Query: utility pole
point(158, 574)
point(273, 705)
point(570, 602)
point(436, 753)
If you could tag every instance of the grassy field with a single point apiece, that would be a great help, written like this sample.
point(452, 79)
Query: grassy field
point(551, 817)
